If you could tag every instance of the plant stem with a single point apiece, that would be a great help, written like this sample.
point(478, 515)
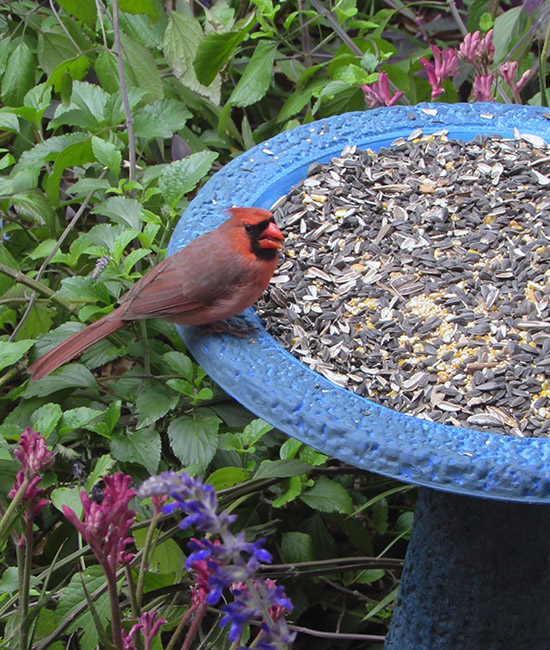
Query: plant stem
point(5, 521)
point(116, 626)
point(145, 559)
point(175, 636)
point(124, 93)
point(25, 582)
point(542, 67)
point(193, 628)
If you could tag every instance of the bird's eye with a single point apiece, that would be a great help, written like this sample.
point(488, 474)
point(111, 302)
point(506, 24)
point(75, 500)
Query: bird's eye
point(247, 228)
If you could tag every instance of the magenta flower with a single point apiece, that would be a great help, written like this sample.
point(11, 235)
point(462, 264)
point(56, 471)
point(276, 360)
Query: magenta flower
point(482, 88)
point(445, 65)
point(508, 72)
point(378, 93)
point(149, 629)
point(106, 524)
point(34, 458)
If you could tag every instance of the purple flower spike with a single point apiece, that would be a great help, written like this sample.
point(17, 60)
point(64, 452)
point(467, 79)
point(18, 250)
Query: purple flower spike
point(149, 625)
point(34, 458)
point(378, 93)
point(106, 524)
point(445, 64)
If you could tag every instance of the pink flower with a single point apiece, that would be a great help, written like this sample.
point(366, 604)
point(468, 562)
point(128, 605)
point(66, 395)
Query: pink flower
point(106, 524)
point(149, 629)
point(34, 458)
point(378, 93)
point(445, 65)
point(478, 51)
point(482, 88)
point(508, 72)
point(469, 47)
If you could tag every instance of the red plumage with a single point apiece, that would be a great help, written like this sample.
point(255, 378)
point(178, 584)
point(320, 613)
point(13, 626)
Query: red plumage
point(214, 277)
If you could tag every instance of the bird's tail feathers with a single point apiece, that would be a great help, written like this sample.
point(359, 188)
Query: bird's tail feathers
point(75, 344)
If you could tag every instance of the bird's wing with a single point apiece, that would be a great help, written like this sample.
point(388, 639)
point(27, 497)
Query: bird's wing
point(183, 283)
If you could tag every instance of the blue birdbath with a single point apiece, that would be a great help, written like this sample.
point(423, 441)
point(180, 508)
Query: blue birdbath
point(477, 572)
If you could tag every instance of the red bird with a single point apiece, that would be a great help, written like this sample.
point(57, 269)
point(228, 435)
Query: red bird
point(214, 277)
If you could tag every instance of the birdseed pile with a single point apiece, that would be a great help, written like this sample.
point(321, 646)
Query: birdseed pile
point(419, 277)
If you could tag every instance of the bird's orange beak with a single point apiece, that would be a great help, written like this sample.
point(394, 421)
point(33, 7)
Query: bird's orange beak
point(271, 237)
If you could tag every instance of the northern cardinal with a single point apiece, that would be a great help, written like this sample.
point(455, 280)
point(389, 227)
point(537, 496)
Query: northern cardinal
point(214, 277)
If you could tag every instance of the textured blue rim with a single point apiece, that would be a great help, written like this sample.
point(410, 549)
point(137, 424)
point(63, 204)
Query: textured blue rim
point(278, 388)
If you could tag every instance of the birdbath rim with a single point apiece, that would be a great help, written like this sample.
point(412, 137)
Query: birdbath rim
point(274, 385)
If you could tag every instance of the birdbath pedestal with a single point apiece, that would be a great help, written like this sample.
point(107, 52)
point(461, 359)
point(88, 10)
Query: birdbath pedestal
point(477, 570)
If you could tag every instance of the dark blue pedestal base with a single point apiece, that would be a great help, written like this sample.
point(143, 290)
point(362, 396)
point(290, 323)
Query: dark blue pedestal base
point(477, 577)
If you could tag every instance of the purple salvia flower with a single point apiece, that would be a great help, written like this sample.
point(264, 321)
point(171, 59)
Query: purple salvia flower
point(378, 93)
point(482, 88)
point(218, 564)
point(445, 65)
point(34, 458)
point(106, 524)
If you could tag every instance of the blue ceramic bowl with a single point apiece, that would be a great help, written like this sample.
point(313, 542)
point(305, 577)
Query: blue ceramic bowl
point(266, 379)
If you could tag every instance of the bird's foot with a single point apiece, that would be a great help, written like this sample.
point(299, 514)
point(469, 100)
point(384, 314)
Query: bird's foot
point(226, 327)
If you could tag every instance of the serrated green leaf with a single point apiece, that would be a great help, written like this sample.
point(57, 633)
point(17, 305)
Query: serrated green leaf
point(297, 547)
point(312, 457)
point(84, 10)
point(328, 496)
point(226, 477)
point(38, 322)
point(141, 68)
point(77, 418)
point(12, 351)
point(281, 468)
point(254, 431)
point(120, 244)
point(73, 377)
point(43, 249)
point(182, 176)
point(8, 121)
point(46, 418)
point(55, 47)
point(180, 363)
point(84, 288)
point(153, 403)
point(107, 154)
point(105, 67)
point(257, 75)
point(142, 447)
point(194, 439)
point(122, 210)
point(19, 76)
point(181, 41)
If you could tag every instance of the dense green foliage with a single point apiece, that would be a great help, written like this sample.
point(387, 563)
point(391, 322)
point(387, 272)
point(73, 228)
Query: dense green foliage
point(112, 115)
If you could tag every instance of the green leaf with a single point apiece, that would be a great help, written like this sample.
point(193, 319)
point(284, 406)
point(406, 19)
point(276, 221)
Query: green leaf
point(181, 41)
point(281, 469)
point(105, 67)
point(19, 76)
point(55, 47)
point(142, 447)
point(65, 496)
point(9, 121)
point(254, 83)
point(180, 363)
point(297, 547)
point(141, 68)
point(84, 288)
point(77, 418)
point(153, 403)
point(122, 210)
point(103, 466)
point(226, 477)
point(84, 10)
point(182, 176)
point(213, 52)
point(506, 29)
point(74, 155)
point(254, 431)
point(73, 377)
point(290, 448)
point(164, 557)
point(107, 154)
point(194, 439)
point(32, 205)
point(147, 7)
point(328, 496)
point(294, 489)
point(10, 580)
point(46, 418)
point(12, 351)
